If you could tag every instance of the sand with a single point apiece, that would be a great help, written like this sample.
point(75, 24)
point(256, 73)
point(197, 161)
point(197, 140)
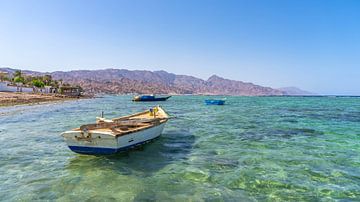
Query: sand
point(11, 99)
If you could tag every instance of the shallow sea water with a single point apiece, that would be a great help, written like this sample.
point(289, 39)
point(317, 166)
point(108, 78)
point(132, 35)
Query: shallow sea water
point(251, 149)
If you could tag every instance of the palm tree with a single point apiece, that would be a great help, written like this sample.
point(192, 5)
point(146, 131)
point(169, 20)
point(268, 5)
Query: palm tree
point(17, 73)
point(18, 78)
point(47, 79)
point(38, 83)
point(3, 76)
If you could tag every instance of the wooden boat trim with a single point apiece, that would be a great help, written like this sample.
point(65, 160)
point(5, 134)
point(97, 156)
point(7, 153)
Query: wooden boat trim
point(139, 129)
point(130, 122)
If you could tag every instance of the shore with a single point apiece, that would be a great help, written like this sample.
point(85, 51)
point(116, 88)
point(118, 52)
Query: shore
point(11, 99)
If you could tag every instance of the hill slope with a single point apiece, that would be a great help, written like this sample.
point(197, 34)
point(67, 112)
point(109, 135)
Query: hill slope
point(160, 82)
point(295, 91)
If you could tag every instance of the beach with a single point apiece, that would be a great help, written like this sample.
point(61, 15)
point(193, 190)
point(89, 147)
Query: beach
point(11, 99)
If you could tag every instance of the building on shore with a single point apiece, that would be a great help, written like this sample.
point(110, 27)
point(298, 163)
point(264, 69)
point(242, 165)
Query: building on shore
point(70, 90)
point(50, 89)
point(36, 84)
point(6, 86)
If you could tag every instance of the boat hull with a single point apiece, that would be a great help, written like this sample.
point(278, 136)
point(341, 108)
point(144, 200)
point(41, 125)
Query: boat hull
point(150, 99)
point(215, 102)
point(102, 143)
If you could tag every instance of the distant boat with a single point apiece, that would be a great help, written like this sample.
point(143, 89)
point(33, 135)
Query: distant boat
point(147, 98)
point(215, 102)
point(119, 134)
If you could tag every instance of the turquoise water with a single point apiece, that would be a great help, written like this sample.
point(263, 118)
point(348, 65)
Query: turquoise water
point(251, 149)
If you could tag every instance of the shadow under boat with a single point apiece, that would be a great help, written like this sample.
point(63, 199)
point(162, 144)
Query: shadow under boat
point(173, 145)
point(215, 101)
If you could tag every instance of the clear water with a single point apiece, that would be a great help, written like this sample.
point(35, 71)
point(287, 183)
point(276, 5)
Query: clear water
point(251, 149)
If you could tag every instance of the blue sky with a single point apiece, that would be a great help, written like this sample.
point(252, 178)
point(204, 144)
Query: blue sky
point(314, 44)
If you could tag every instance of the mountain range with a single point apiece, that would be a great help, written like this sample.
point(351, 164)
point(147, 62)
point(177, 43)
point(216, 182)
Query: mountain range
point(295, 91)
point(121, 81)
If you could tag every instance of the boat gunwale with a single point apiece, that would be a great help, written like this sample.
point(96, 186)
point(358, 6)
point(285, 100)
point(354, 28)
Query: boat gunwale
point(153, 122)
point(153, 99)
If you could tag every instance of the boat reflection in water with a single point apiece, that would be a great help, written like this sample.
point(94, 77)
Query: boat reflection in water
point(215, 102)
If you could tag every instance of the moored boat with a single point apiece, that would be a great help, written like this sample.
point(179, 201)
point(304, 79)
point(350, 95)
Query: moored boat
point(119, 134)
point(215, 102)
point(147, 98)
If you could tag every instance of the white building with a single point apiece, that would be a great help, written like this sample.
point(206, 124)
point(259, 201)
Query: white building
point(6, 86)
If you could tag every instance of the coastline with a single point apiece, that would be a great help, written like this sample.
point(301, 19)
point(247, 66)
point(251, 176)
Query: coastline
point(8, 99)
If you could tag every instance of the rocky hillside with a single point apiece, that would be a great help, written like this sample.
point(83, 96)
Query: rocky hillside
point(159, 82)
point(295, 91)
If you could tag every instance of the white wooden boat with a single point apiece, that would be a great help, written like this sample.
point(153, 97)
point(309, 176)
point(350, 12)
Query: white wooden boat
point(119, 134)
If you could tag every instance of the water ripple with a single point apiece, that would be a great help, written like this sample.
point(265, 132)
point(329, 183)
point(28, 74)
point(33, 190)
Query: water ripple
point(252, 149)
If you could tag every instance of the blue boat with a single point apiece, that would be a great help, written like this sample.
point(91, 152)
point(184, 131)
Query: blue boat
point(214, 102)
point(148, 98)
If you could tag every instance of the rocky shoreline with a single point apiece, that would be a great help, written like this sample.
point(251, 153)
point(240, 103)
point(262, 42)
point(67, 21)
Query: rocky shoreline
point(12, 99)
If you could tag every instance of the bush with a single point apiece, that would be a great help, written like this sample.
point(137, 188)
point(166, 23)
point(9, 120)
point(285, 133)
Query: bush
point(19, 79)
point(38, 83)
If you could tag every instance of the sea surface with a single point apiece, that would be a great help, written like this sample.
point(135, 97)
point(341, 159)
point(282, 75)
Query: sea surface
point(251, 149)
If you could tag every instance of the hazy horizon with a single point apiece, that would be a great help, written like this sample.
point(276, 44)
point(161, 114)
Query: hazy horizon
point(313, 45)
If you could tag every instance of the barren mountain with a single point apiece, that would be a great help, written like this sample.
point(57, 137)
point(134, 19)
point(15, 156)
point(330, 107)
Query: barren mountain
point(160, 82)
point(295, 91)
